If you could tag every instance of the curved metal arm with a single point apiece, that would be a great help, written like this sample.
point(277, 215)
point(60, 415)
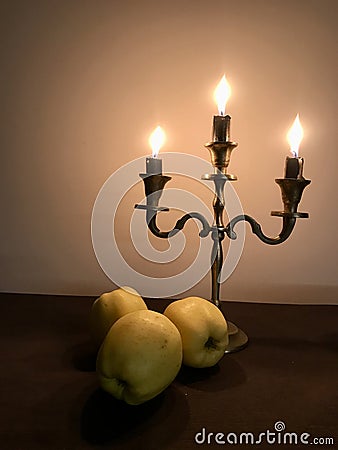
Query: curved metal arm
point(151, 221)
point(288, 225)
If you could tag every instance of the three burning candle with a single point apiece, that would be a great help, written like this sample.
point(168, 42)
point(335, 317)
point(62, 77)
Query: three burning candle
point(221, 133)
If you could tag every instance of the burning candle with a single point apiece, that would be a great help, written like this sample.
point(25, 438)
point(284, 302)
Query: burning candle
point(221, 123)
point(294, 165)
point(154, 163)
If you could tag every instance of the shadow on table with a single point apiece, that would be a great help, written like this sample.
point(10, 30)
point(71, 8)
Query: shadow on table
point(153, 424)
point(224, 375)
point(82, 357)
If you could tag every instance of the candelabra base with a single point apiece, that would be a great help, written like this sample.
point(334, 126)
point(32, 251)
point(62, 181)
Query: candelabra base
point(237, 339)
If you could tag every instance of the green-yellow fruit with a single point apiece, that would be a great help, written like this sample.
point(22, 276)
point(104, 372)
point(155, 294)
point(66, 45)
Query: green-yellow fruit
point(110, 307)
point(203, 330)
point(140, 356)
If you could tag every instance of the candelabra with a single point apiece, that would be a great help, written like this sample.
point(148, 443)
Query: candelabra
point(221, 147)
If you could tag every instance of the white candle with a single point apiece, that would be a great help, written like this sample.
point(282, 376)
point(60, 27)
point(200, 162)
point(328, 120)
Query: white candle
point(154, 163)
point(221, 123)
point(294, 165)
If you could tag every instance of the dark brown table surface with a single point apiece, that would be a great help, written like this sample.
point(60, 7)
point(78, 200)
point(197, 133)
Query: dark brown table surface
point(50, 397)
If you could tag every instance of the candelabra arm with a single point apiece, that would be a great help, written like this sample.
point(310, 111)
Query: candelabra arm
point(154, 185)
point(288, 226)
point(291, 190)
point(152, 225)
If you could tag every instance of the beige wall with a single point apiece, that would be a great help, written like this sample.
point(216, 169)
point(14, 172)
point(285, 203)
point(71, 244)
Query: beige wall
point(84, 82)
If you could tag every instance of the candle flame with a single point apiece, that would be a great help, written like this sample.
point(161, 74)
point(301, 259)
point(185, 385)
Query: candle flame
point(295, 136)
point(156, 140)
point(222, 94)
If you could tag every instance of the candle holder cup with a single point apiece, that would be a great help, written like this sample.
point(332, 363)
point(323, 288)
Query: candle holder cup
point(292, 191)
point(220, 154)
point(153, 187)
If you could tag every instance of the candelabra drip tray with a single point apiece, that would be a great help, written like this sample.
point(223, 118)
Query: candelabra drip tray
point(152, 208)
